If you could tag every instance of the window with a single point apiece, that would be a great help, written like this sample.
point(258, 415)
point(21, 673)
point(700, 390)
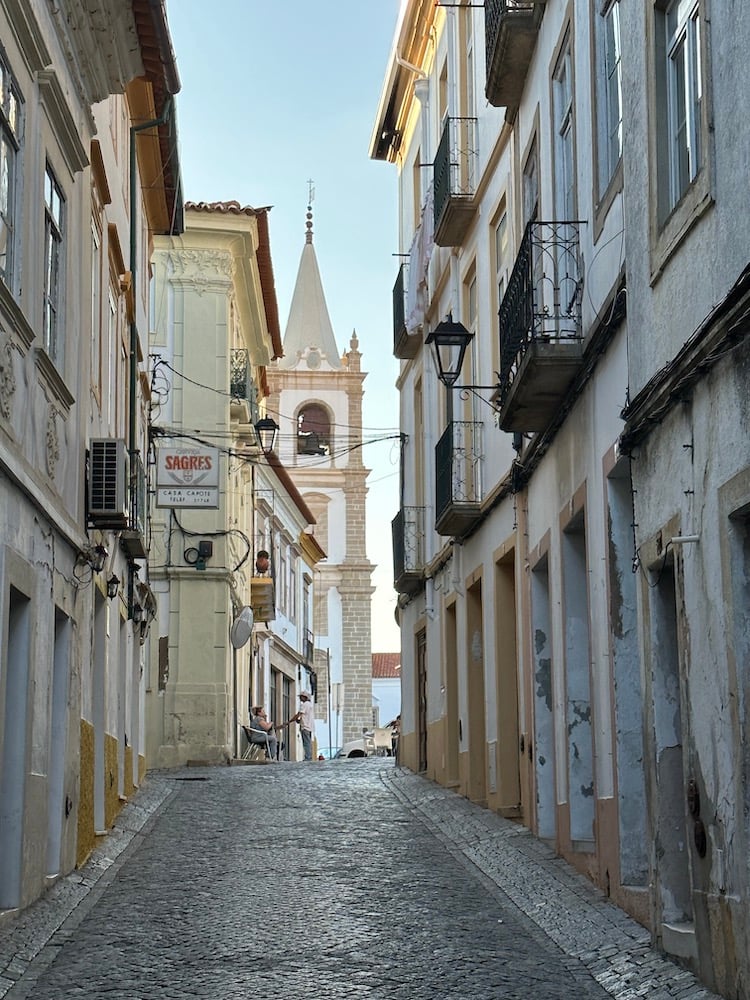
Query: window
point(443, 95)
point(10, 142)
point(684, 94)
point(608, 93)
point(680, 182)
point(471, 409)
point(501, 252)
point(501, 256)
point(471, 101)
point(96, 307)
point(563, 132)
point(53, 261)
point(530, 186)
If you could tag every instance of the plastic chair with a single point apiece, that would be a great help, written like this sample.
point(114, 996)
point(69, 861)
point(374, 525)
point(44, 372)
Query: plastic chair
point(258, 746)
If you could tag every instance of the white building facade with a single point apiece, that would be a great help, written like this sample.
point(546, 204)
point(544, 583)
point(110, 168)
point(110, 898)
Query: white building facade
point(571, 213)
point(79, 93)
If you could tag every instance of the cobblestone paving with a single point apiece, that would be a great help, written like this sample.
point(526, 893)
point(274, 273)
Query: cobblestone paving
point(340, 880)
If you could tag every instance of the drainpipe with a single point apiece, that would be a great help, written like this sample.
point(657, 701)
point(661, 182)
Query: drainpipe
point(133, 373)
point(134, 129)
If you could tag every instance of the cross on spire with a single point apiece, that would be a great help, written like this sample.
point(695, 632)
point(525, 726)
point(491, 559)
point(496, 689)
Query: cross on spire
point(310, 199)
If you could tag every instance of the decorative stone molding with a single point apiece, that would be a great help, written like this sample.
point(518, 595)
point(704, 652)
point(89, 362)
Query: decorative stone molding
point(7, 374)
point(101, 46)
point(62, 121)
point(28, 34)
point(52, 441)
point(202, 270)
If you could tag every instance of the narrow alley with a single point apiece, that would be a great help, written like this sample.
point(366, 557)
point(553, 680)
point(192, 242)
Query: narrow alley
point(330, 880)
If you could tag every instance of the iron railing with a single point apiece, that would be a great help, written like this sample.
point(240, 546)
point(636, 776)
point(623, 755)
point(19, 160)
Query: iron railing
point(543, 298)
point(458, 466)
point(407, 529)
point(241, 384)
point(455, 165)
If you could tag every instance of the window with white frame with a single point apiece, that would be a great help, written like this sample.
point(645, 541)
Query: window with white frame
point(96, 304)
point(11, 134)
point(684, 93)
point(292, 612)
point(563, 136)
point(501, 261)
point(471, 411)
point(54, 205)
point(608, 92)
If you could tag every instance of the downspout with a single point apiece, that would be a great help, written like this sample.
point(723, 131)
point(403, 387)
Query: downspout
point(134, 129)
point(133, 373)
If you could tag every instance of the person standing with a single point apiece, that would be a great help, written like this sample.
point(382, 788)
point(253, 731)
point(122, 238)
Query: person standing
point(306, 719)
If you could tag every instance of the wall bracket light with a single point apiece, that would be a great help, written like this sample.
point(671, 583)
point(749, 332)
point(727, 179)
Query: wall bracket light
point(266, 430)
point(450, 340)
point(95, 556)
point(113, 586)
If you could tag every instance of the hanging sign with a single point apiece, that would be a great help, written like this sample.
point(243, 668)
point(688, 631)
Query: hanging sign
point(187, 476)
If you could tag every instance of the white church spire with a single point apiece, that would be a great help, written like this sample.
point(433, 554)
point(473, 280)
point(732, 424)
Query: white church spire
point(309, 341)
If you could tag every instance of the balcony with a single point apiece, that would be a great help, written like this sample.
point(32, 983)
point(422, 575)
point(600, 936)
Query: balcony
point(455, 173)
point(458, 478)
point(407, 529)
point(405, 345)
point(511, 28)
point(541, 342)
point(244, 404)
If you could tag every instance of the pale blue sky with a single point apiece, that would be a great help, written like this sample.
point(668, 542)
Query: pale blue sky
point(276, 92)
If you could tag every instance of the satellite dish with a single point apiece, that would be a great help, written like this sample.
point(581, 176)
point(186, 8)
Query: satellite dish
point(242, 628)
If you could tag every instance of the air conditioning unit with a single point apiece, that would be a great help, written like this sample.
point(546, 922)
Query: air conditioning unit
point(108, 483)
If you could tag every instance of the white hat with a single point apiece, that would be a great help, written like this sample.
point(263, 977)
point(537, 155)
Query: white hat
point(305, 694)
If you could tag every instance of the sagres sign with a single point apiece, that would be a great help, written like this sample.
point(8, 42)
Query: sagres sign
point(187, 476)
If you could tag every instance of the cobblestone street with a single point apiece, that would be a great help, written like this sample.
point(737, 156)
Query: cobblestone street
point(335, 880)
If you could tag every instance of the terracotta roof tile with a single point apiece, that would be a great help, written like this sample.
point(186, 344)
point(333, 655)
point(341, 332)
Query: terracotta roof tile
point(386, 665)
point(228, 207)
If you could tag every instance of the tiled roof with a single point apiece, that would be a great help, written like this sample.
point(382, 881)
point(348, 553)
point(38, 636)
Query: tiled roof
point(229, 207)
point(386, 665)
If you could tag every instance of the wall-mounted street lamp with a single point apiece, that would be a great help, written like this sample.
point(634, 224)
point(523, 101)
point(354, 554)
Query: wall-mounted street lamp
point(113, 586)
point(266, 430)
point(450, 341)
point(96, 557)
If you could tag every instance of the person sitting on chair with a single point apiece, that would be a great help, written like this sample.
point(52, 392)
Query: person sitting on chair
point(262, 730)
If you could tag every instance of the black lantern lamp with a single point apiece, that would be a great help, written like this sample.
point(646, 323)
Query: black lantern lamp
point(266, 430)
point(113, 586)
point(450, 340)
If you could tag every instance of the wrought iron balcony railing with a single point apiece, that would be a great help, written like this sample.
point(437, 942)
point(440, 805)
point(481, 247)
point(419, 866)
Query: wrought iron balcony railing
point(455, 173)
point(541, 309)
point(241, 385)
point(458, 477)
point(407, 530)
point(511, 28)
point(239, 373)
